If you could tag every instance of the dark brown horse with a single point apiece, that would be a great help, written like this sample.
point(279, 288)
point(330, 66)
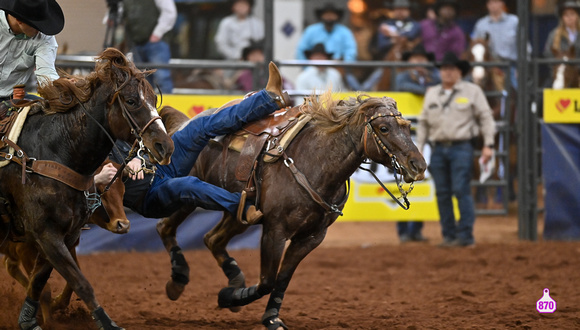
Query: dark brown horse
point(327, 151)
point(111, 216)
point(72, 127)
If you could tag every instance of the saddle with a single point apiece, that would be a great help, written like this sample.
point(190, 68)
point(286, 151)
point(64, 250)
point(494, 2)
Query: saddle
point(272, 135)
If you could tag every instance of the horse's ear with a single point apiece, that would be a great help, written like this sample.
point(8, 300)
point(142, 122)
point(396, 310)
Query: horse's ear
point(487, 36)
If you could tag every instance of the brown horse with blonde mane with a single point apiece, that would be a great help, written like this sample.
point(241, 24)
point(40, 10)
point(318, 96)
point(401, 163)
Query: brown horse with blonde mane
point(64, 140)
point(327, 151)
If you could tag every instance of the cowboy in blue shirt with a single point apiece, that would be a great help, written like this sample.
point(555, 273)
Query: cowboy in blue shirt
point(336, 37)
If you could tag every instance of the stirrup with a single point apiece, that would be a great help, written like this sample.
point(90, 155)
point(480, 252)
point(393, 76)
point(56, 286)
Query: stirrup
point(241, 207)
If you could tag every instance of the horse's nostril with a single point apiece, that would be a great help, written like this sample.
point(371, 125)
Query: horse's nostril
point(160, 149)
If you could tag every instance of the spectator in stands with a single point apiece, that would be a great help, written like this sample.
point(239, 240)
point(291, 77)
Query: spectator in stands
point(500, 28)
point(146, 23)
point(399, 26)
point(443, 34)
point(171, 187)
point(417, 79)
point(27, 42)
point(337, 38)
point(244, 79)
point(565, 35)
point(238, 30)
point(319, 78)
point(454, 112)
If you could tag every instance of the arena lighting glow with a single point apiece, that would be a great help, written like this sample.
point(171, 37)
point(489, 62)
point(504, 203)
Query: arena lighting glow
point(357, 6)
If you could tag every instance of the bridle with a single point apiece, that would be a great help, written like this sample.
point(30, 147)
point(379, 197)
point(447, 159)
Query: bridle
point(396, 167)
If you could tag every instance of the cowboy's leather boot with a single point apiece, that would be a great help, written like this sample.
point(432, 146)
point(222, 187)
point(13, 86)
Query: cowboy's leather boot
point(274, 86)
point(253, 215)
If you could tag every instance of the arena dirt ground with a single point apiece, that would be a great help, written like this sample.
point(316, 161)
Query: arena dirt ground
point(360, 278)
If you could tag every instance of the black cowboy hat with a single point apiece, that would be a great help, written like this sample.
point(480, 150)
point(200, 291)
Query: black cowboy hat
point(451, 59)
point(418, 50)
point(398, 4)
point(254, 45)
point(441, 3)
point(318, 48)
point(568, 4)
point(329, 7)
point(44, 15)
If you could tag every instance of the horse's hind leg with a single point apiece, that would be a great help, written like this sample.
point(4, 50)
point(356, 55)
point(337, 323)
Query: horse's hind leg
point(271, 249)
point(167, 230)
point(297, 250)
point(216, 241)
point(62, 301)
point(61, 259)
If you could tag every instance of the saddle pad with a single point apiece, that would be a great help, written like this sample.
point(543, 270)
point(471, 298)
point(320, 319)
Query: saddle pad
point(14, 133)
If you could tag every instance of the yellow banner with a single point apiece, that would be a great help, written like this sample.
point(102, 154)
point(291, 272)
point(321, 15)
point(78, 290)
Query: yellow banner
point(367, 200)
point(409, 104)
point(562, 106)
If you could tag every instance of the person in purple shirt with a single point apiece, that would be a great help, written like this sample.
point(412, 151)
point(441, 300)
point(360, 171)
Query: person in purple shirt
point(443, 34)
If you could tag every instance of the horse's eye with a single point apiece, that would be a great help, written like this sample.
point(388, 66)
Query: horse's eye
point(384, 129)
point(130, 102)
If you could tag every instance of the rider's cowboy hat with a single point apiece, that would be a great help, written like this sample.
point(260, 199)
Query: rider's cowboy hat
point(418, 50)
point(329, 7)
point(318, 48)
point(398, 4)
point(441, 3)
point(44, 15)
point(450, 59)
point(568, 4)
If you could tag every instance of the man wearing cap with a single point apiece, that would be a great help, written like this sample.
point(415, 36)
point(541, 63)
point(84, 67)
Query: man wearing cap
point(336, 37)
point(443, 34)
point(401, 25)
point(27, 42)
point(454, 112)
point(501, 29)
point(416, 79)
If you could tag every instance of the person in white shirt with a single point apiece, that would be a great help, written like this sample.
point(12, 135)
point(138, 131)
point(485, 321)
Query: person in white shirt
point(319, 78)
point(237, 31)
point(27, 42)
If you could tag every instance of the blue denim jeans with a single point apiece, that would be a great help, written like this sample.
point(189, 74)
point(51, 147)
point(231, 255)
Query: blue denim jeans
point(411, 229)
point(156, 52)
point(451, 168)
point(172, 188)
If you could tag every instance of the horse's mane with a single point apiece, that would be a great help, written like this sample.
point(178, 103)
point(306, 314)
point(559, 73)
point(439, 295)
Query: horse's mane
point(332, 116)
point(112, 68)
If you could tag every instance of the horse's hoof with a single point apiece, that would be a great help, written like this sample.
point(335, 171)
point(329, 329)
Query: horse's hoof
point(235, 309)
point(174, 289)
point(274, 324)
point(225, 297)
point(103, 320)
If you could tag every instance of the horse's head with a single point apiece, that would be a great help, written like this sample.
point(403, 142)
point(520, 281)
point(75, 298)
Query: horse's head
point(111, 216)
point(479, 52)
point(387, 138)
point(132, 105)
point(565, 75)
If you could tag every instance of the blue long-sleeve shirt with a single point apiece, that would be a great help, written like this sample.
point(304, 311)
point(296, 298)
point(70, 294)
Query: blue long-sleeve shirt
point(409, 29)
point(340, 41)
point(407, 81)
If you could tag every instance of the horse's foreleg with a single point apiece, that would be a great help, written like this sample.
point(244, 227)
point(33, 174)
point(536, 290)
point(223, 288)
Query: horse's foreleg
point(61, 301)
point(36, 284)
point(167, 230)
point(61, 259)
point(298, 249)
point(216, 241)
point(272, 247)
point(13, 269)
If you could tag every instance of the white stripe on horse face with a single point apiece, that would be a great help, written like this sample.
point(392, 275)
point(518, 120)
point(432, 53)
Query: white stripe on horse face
point(478, 52)
point(153, 112)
